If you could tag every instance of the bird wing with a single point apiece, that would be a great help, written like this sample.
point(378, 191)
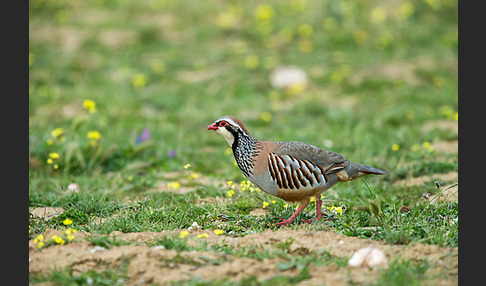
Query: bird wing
point(289, 172)
point(328, 161)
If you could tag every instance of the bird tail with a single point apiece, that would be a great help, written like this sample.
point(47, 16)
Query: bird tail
point(355, 170)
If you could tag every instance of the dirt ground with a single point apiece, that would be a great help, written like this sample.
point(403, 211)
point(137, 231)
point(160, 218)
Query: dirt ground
point(161, 266)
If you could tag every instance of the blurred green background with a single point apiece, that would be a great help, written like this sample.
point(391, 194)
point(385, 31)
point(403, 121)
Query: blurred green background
point(382, 78)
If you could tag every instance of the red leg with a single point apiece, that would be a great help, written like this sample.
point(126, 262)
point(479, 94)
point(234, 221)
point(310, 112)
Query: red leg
point(288, 221)
point(318, 211)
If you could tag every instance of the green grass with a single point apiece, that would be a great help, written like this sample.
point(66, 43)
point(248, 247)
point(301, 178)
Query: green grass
point(173, 67)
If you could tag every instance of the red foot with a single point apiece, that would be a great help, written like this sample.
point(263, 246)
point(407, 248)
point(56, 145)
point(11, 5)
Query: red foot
point(284, 222)
point(318, 212)
point(311, 220)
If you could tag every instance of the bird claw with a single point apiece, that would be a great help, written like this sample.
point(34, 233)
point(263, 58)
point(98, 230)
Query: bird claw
point(284, 222)
point(310, 220)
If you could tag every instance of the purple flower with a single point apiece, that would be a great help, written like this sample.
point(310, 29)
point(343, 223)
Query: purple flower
point(172, 153)
point(143, 137)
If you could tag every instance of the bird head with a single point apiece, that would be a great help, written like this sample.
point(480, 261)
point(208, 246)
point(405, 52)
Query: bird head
point(230, 127)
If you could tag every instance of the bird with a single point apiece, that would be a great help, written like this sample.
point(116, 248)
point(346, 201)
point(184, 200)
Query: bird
point(293, 171)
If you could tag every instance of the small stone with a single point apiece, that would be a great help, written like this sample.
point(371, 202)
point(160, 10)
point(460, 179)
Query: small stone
point(368, 257)
point(72, 188)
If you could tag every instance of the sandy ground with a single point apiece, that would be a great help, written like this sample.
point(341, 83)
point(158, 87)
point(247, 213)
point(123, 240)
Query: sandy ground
point(156, 264)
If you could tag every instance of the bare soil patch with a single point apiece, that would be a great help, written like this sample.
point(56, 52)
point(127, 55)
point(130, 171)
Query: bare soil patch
point(451, 177)
point(45, 213)
point(155, 264)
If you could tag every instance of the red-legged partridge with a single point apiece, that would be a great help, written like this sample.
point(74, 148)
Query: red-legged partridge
point(292, 171)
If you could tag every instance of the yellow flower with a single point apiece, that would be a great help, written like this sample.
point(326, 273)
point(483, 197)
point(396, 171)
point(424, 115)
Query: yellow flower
point(266, 116)
point(274, 202)
point(448, 112)
point(94, 135)
point(405, 10)
point(312, 199)
point(230, 183)
point(230, 193)
point(174, 185)
point(336, 76)
point(428, 146)
point(57, 132)
point(227, 19)
point(305, 30)
point(193, 176)
point(139, 81)
point(395, 147)
point(67, 221)
point(40, 245)
point(187, 166)
point(296, 88)
point(70, 233)
point(265, 204)
point(53, 155)
point(378, 15)
point(252, 62)
point(89, 105)
point(245, 185)
point(55, 166)
point(57, 239)
point(264, 12)
point(49, 142)
point(183, 234)
point(202, 235)
point(39, 238)
point(49, 161)
point(219, 231)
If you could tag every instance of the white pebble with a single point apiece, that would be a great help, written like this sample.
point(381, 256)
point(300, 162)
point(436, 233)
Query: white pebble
point(283, 77)
point(368, 257)
point(97, 248)
point(73, 188)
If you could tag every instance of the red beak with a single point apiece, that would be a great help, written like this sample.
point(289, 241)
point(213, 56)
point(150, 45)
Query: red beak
point(213, 127)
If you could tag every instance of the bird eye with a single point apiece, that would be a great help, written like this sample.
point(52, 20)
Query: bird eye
point(222, 123)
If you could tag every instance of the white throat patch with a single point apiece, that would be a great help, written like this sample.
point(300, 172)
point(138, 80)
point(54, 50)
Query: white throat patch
point(227, 135)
